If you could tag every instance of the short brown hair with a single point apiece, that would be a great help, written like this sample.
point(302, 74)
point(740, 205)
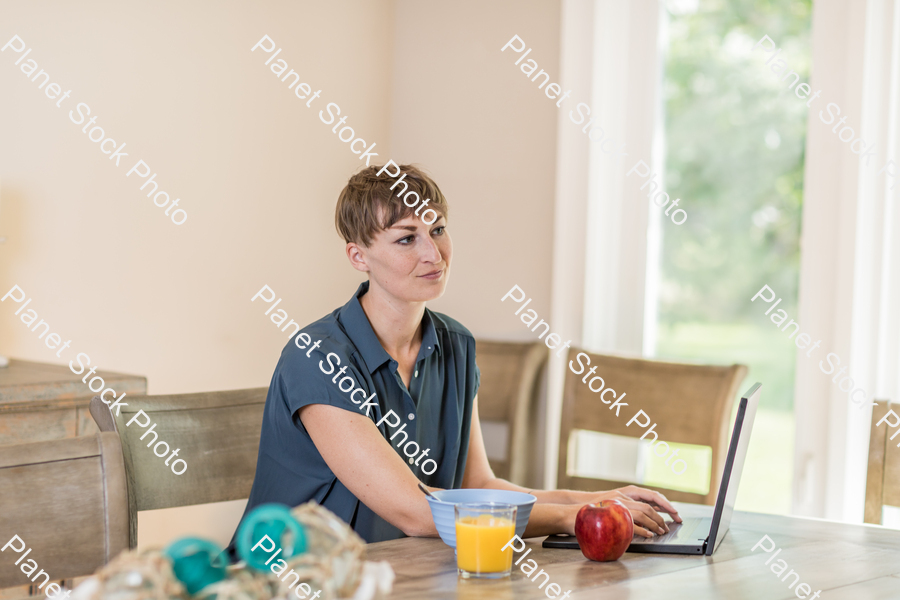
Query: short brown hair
point(367, 196)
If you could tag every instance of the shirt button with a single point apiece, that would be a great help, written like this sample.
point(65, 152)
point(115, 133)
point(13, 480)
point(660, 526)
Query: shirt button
point(412, 417)
point(417, 373)
point(410, 461)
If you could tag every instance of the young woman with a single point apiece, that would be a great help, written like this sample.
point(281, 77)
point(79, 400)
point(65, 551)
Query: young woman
point(382, 393)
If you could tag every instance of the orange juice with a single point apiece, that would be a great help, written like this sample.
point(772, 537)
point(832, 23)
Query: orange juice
point(479, 541)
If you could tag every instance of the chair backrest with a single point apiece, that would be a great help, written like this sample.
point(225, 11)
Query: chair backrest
point(508, 394)
point(216, 435)
point(691, 404)
point(883, 475)
point(65, 499)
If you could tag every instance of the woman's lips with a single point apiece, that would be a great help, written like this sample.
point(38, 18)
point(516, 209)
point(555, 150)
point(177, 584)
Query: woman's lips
point(433, 275)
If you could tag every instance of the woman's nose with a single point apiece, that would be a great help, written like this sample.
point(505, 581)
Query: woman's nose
point(431, 252)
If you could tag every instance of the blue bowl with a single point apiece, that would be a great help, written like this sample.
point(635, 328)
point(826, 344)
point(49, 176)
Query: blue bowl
point(445, 519)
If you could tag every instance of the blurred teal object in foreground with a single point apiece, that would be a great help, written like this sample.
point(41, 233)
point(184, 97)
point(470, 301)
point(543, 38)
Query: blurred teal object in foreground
point(196, 563)
point(276, 522)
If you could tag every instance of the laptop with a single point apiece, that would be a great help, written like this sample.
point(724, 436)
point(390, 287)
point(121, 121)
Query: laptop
point(699, 535)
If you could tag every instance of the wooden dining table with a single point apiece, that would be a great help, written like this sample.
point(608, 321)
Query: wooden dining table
point(845, 562)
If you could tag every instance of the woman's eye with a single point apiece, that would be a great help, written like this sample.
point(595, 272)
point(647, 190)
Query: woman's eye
point(439, 230)
point(406, 240)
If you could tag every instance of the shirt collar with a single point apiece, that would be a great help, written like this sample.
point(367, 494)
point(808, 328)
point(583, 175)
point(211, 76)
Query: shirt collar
point(359, 330)
point(430, 342)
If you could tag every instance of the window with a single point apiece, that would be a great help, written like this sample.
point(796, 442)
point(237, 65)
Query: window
point(734, 153)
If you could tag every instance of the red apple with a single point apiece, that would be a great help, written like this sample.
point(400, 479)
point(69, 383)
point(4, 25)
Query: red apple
point(604, 530)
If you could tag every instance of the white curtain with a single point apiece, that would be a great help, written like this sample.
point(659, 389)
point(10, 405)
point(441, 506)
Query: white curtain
point(850, 261)
point(625, 80)
point(609, 59)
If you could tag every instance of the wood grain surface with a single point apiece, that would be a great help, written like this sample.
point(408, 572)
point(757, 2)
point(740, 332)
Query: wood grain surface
point(41, 402)
point(26, 385)
point(66, 500)
point(844, 561)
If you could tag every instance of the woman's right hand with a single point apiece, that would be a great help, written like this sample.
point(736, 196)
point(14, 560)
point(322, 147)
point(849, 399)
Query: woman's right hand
point(642, 504)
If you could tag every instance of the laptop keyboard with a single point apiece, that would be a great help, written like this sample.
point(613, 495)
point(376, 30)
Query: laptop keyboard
point(689, 532)
point(674, 528)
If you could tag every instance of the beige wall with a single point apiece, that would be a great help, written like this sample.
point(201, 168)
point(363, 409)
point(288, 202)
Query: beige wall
point(258, 174)
point(256, 170)
point(488, 135)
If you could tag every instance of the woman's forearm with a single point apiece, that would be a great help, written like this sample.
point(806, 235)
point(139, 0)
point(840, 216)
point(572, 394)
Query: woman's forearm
point(543, 496)
point(547, 519)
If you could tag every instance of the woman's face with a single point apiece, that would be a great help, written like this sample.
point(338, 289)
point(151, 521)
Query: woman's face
point(410, 260)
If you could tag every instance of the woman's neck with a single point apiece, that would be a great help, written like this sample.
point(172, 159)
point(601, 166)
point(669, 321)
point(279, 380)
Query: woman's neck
point(397, 324)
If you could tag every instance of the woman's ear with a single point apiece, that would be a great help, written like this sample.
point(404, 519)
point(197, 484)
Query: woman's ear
point(356, 254)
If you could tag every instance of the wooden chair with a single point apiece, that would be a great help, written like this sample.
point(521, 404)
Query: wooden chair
point(508, 394)
point(691, 404)
point(883, 474)
point(65, 499)
point(217, 434)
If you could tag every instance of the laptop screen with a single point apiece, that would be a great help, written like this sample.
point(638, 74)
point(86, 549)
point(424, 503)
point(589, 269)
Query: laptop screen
point(734, 463)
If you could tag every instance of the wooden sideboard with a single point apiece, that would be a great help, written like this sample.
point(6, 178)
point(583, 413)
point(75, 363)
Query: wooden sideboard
point(40, 401)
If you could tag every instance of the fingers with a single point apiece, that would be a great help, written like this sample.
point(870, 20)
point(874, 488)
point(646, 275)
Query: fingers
point(655, 499)
point(664, 509)
point(675, 515)
point(642, 521)
point(644, 515)
point(647, 521)
point(654, 521)
point(642, 532)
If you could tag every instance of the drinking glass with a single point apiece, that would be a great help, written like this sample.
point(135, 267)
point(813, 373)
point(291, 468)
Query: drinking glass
point(482, 530)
